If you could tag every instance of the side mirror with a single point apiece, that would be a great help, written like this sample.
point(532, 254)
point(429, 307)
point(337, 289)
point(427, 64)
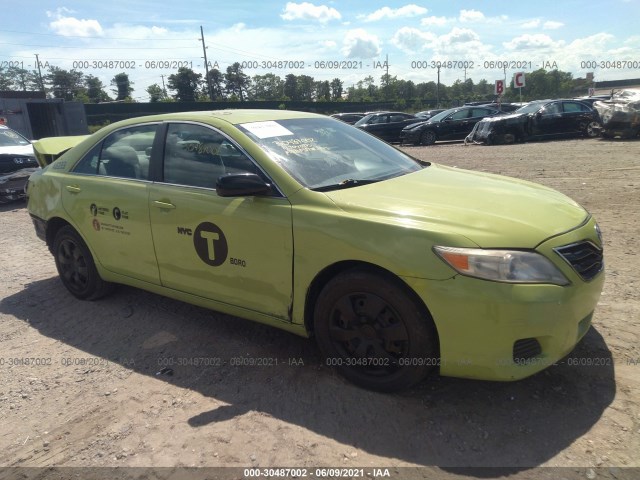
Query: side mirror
point(241, 185)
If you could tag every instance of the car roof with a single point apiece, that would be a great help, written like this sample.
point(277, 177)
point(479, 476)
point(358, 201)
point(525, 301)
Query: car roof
point(232, 116)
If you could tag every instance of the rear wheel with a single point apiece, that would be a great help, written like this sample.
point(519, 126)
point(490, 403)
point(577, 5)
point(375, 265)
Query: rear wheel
point(428, 137)
point(374, 332)
point(591, 129)
point(76, 267)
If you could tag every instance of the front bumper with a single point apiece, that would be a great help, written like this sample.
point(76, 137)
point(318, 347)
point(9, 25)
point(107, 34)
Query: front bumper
point(498, 331)
point(410, 136)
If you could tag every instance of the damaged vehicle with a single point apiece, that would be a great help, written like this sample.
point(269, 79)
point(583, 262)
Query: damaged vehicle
point(17, 163)
point(537, 120)
point(620, 115)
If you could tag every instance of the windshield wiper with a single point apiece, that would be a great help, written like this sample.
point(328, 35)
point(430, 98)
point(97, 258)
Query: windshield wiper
point(347, 183)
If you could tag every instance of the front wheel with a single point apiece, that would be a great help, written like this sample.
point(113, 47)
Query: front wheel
point(374, 332)
point(76, 267)
point(428, 137)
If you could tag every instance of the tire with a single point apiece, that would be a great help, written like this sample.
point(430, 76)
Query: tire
point(428, 137)
point(76, 267)
point(374, 332)
point(592, 130)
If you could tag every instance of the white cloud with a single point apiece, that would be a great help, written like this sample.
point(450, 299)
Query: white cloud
point(73, 27)
point(531, 23)
point(386, 12)
point(412, 40)
point(471, 16)
point(538, 41)
point(433, 21)
point(360, 44)
point(309, 11)
point(551, 25)
point(459, 35)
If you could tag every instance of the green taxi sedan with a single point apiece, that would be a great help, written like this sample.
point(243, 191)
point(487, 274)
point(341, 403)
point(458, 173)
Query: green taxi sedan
point(396, 267)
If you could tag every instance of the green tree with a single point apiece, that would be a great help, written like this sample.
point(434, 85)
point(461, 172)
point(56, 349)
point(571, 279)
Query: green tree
point(95, 90)
point(323, 91)
point(290, 88)
point(216, 77)
point(237, 82)
point(337, 88)
point(123, 86)
point(305, 87)
point(64, 84)
point(185, 83)
point(267, 87)
point(156, 93)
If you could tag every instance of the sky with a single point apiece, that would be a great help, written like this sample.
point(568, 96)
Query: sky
point(349, 40)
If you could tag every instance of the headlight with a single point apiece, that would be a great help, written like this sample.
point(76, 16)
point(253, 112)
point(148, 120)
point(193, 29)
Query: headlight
point(511, 266)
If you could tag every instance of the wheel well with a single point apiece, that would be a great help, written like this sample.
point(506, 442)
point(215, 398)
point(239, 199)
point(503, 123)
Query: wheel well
point(53, 226)
point(336, 269)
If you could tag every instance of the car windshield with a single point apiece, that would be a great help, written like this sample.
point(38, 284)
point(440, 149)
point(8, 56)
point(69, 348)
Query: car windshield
point(532, 107)
point(9, 138)
point(327, 154)
point(439, 116)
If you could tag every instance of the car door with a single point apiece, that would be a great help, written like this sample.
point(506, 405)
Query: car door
point(454, 126)
point(576, 115)
point(379, 126)
point(235, 250)
point(106, 195)
point(548, 121)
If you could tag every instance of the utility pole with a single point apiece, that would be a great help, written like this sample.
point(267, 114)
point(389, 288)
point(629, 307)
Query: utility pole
point(206, 65)
point(164, 89)
point(40, 73)
point(438, 89)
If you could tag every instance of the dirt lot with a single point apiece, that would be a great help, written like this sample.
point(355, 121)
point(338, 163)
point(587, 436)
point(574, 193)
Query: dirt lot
point(94, 395)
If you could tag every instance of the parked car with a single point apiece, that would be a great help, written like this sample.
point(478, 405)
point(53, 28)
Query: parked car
point(621, 114)
point(17, 163)
point(386, 125)
point(349, 118)
point(540, 119)
point(427, 114)
point(452, 124)
point(302, 222)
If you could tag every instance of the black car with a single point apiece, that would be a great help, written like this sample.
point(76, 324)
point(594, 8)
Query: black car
point(17, 163)
point(540, 119)
point(386, 125)
point(453, 124)
point(350, 118)
point(504, 107)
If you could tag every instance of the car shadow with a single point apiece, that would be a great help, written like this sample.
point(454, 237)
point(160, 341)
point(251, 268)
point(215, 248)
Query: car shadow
point(452, 423)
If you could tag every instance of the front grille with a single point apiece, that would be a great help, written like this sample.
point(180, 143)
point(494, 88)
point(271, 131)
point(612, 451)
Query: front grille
point(526, 348)
point(584, 257)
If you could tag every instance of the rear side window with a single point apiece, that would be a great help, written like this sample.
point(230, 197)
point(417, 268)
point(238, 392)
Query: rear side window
point(124, 154)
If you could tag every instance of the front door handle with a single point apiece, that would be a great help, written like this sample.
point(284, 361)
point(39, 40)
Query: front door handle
point(164, 205)
point(73, 188)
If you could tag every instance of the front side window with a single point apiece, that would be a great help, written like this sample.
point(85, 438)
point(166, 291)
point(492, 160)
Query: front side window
point(460, 115)
point(323, 154)
point(125, 153)
point(197, 156)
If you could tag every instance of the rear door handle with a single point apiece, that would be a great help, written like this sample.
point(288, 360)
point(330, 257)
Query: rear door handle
point(165, 205)
point(73, 188)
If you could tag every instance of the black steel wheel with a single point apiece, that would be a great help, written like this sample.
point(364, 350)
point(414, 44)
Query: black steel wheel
point(374, 332)
point(428, 137)
point(76, 267)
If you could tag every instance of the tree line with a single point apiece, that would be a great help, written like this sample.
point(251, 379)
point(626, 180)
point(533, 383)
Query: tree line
point(234, 85)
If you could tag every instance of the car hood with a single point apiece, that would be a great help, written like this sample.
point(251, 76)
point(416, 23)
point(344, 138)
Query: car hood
point(26, 150)
point(490, 210)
